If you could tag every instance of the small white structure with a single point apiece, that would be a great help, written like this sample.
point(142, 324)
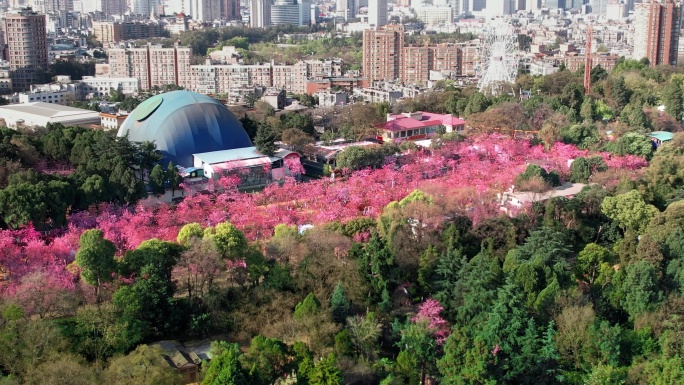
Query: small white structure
point(112, 121)
point(92, 86)
point(39, 114)
point(216, 163)
point(329, 99)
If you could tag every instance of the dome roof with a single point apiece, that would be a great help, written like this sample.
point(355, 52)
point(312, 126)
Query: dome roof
point(182, 123)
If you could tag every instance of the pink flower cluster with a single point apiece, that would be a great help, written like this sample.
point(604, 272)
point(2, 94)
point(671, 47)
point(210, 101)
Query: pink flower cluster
point(429, 312)
point(465, 176)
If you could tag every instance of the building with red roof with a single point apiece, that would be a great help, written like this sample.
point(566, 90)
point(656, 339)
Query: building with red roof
point(418, 125)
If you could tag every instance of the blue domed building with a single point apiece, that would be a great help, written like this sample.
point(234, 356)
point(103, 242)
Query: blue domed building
point(183, 123)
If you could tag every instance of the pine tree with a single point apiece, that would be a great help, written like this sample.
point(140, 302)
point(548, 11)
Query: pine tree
point(340, 305)
point(265, 140)
point(308, 307)
point(674, 100)
point(325, 372)
point(173, 177)
point(587, 109)
point(157, 177)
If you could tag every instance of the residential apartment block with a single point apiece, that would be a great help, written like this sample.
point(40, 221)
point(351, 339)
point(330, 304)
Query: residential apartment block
point(294, 77)
point(157, 66)
point(27, 50)
point(107, 32)
point(656, 31)
point(153, 65)
point(385, 58)
point(382, 52)
point(260, 13)
point(419, 61)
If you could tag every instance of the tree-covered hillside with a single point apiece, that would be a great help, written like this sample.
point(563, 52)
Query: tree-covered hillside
point(403, 273)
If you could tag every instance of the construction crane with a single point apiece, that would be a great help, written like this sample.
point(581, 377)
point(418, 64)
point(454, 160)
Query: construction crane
point(588, 61)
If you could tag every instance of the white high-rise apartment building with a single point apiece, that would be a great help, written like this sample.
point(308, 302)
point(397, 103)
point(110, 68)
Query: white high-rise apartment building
point(259, 13)
point(599, 7)
point(435, 14)
point(205, 10)
point(616, 10)
point(289, 12)
point(144, 7)
point(532, 5)
point(51, 6)
point(346, 9)
point(377, 12)
point(177, 6)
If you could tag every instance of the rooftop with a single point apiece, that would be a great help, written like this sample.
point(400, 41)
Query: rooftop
point(420, 119)
point(215, 157)
point(662, 136)
point(47, 110)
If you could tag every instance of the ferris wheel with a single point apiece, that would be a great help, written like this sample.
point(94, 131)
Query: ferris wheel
point(498, 57)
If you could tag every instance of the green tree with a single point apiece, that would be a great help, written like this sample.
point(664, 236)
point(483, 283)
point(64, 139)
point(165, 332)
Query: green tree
point(573, 96)
point(580, 170)
point(307, 308)
point(66, 369)
point(581, 135)
point(159, 256)
point(629, 210)
point(267, 358)
point(635, 116)
point(173, 177)
point(632, 143)
point(418, 342)
point(230, 242)
point(587, 109)
point(147, 305)
point(97, 332)
point(298, 121)
point(606, 375)
point(641, 288)
point(664, 371)
point(95, 257)
point(674, 99)
point(464, 361)
point(225, 368)
point(250, 99)
point(339, 304)
point(377, 268)
point(145, 365)
point(426, 271)
point(23, 203)
point(539, 267)
point(326, 372)
point(157, 179)
point(188, 232)
point(93, 190)
point(477, 103)
point(264, 141)
point(590, 261)
point(356, 157)
point(619, 92)
point(522, 351)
